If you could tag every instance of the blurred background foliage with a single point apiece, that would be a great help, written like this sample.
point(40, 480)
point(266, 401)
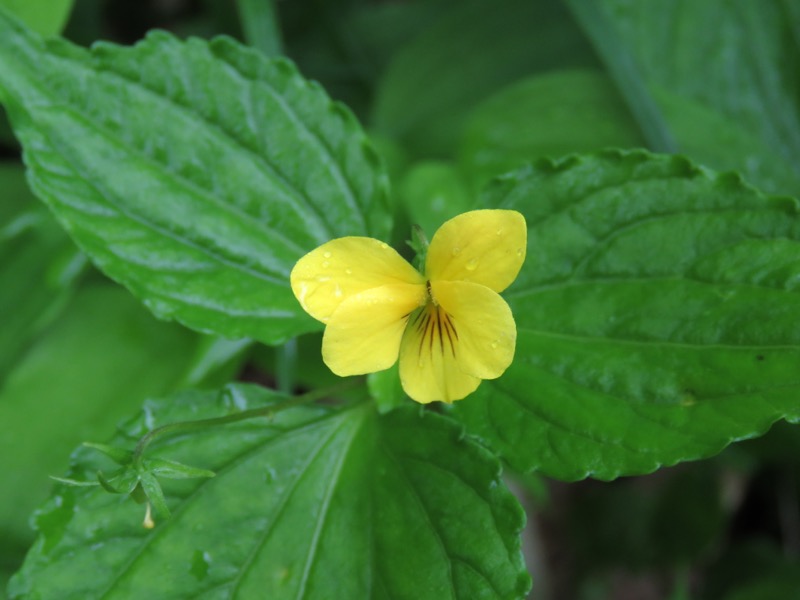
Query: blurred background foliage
point(453, 93)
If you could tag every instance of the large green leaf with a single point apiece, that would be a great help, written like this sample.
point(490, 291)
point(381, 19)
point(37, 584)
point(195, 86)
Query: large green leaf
point(309, 504)
point(47, 17)
point(735, 57)
point(86, 372)
point(580, 110)
point(556, 113)
point(38, 267)
point(657, 317)
point(462, 57)
point(195, 173)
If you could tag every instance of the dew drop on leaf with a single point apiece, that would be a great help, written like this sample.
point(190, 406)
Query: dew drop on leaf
point(200, 562)
point(270, 475)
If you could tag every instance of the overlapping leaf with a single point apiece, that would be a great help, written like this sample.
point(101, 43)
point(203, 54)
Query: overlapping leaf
point(310, 504)
point(657, 317)
point(429, 87)
point(38, 267)
point(81, 376)
point(195, 173)
point(735, 58)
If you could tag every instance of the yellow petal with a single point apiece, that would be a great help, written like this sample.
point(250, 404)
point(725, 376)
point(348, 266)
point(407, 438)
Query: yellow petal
point(344, 267)
point(363, 334)
point(482, 246)
point(485, 332)
point(429, 369)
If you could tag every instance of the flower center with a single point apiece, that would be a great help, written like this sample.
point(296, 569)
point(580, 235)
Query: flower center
point(434, 328)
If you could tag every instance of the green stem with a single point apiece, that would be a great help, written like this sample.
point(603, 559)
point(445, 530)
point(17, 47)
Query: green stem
point(260, 26)
point(286, 366)
point(253, 413)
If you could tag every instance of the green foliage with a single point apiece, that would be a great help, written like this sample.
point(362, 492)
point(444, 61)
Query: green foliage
point(656, 315)
point(298, 502)
point(38, 267)
point(70, 386)
point(657, 310)
point(433, 192)
point(47, 17)
point(737, 58)
point(256, 173)
point(497, 35)
point(552, 114)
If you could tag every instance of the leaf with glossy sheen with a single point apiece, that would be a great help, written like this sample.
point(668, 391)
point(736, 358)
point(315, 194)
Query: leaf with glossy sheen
point(657, 317)
point(310, 504)
point(195, 173)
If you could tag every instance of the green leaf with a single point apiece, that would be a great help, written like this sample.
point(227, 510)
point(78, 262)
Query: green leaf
point(721, 142)
point(118, 455)
point(656, 316)
point(580, 110)
point(553, 114)
point(155, 495)
point(624, 71)
point(433, 192)
point(430, 86)
point(385, 388)
point(46, 17)
point(38, 268)
point(314, 503)
point(216, 361)
point(260, 25)
point(121, 481)
point(174, 470)
point(736, 57)
point(86, 371)
point(204, 186)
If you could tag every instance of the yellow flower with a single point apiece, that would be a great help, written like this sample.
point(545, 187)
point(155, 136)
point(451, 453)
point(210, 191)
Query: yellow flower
point(450, 327)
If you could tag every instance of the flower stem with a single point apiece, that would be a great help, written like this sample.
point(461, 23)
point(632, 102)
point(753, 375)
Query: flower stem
point(253, 413)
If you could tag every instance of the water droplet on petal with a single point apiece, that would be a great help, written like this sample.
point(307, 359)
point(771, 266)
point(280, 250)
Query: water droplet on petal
point(327, 255)
point(384, 246)
point(519, 251)
point(338, 291)
point(499, 232)
point(456, 250)
point(472, 264)
point(348, 271)
point(325, 264)
point(495, 344)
